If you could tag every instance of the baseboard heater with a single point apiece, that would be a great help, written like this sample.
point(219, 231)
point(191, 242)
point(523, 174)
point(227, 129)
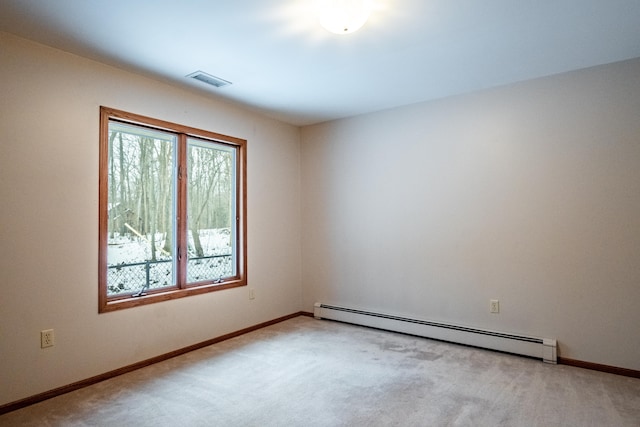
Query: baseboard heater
point(541, 348)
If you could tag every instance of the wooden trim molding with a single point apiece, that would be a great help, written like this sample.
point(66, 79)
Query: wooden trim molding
point(180, 287)
point(598, 367)
point(12, 406)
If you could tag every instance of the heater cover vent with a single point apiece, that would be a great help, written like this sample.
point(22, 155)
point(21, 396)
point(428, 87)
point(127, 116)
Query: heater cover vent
point(209, 79)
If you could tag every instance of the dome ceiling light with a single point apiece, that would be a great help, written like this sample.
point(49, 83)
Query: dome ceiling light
point(343, 16)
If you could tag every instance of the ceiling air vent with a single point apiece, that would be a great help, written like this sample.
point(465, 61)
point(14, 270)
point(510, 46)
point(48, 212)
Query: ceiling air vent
point(209, 79)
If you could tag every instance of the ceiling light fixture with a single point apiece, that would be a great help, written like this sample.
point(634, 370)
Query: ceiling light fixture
point(343, 16)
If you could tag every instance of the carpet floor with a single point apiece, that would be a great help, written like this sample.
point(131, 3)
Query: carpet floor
point(307, 372)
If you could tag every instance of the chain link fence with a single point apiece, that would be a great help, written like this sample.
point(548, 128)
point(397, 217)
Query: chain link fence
point(207, 268)
point(132, 278)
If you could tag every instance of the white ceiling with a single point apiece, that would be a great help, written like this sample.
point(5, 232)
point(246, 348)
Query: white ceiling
point(283, 63)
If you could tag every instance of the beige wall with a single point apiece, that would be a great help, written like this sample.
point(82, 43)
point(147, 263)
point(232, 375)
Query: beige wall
point(529, 194)
point(48, 221)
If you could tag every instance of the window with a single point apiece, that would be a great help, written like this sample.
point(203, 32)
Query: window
point(172, 219)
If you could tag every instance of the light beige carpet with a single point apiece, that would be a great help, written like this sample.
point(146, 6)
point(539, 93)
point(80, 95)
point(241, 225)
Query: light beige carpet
point(307, 372)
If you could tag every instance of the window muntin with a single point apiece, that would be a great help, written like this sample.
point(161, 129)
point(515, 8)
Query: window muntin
point(172, 211)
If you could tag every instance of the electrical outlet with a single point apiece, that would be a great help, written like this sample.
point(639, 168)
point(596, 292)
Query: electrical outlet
point(494, 306)
point(46, 338)
point(252, 293)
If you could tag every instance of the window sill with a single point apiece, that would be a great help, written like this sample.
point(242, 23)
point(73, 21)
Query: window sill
point(114, 304)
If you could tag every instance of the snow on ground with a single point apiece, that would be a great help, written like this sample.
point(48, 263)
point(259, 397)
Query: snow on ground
point(130, 249)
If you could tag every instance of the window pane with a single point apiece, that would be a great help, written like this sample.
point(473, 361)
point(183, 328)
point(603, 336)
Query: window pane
point(141, 194)
point(210, 211)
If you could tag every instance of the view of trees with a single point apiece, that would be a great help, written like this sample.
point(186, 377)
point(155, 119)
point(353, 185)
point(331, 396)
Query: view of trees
point(141, 189)
point(142, 195)
point(210, 192)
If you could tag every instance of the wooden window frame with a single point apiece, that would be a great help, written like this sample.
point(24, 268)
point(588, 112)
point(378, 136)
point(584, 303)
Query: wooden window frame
point(182, 288)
